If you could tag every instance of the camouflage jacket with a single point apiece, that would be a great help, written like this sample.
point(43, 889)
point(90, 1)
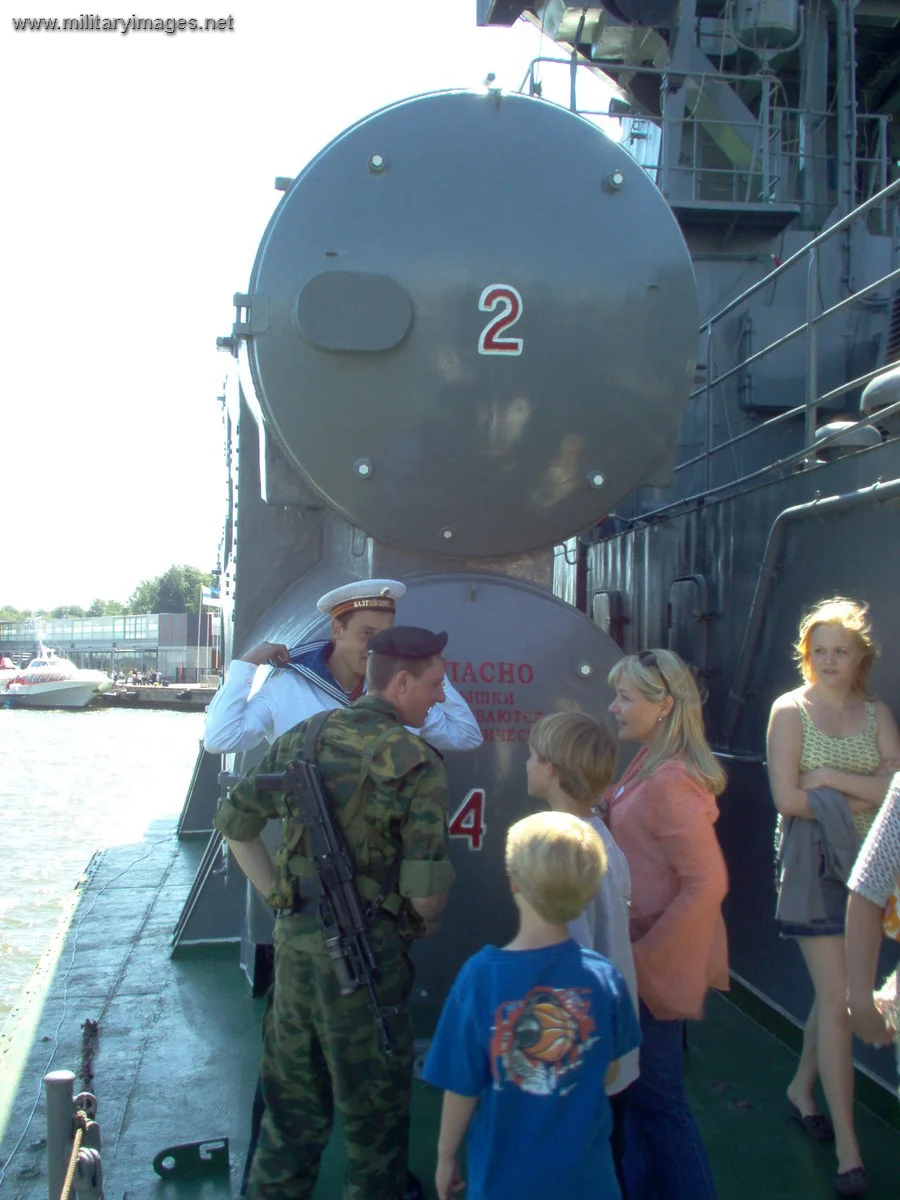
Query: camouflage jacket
point(405, 809)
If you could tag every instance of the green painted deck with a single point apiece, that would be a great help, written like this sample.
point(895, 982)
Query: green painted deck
point(178, 1047)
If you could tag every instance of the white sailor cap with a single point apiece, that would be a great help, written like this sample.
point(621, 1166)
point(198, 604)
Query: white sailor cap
point(377, 594)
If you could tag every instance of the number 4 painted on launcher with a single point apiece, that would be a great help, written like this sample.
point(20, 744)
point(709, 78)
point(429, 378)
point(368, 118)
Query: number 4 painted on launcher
point(468, 820)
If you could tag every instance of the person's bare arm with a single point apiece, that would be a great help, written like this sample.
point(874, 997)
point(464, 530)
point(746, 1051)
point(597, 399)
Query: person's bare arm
point(255, 861)
point(784, 743)
point(431, 910)
point(863, 941)
point(888, 738)
point(455, 1117)
point(863, 792)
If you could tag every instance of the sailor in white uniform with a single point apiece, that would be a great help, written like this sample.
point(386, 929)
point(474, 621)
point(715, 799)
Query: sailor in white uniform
point(255, 704)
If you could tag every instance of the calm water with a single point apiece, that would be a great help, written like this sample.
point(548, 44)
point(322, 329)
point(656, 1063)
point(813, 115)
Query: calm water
point(71, 783)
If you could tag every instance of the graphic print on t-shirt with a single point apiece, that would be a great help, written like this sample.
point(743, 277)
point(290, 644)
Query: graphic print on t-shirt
point(537, 1043)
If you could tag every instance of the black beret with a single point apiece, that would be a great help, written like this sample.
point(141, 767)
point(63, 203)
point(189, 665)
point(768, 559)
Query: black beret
point(407, 641)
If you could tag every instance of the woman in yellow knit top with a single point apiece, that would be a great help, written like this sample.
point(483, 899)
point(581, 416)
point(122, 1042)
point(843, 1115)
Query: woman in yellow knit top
point(829, 734)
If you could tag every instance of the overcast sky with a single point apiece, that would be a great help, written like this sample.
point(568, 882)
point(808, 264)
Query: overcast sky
point(139, 173)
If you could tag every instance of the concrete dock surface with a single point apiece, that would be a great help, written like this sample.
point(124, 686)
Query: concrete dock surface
point(190, 697)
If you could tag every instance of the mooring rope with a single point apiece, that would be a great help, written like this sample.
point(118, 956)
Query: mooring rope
point(81, 1124)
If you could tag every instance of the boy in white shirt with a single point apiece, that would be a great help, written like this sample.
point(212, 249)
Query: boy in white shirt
point(573, 759)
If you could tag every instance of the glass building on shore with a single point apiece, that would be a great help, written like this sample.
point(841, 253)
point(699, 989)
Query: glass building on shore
point(182, 647)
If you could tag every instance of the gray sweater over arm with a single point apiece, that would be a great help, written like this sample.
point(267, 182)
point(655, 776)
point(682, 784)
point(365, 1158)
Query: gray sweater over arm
point(811, 852)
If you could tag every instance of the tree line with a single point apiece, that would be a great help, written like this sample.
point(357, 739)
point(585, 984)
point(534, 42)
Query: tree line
point(175, 591)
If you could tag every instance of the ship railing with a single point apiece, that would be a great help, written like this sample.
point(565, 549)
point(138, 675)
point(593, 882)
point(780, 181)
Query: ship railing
point(779, 158)
point(780, 143)
point(809, 329)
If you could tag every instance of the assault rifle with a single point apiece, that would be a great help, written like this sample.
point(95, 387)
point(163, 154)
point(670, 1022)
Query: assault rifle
point(342, 917)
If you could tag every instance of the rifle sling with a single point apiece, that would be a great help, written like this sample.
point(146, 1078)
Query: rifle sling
point(313, 729)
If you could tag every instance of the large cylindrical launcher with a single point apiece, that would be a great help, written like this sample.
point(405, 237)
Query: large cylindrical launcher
point(471, 325)
point(470, 331)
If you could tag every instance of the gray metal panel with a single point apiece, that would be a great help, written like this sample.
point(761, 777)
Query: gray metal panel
point(499, 12)
point(824, 552)
point(202, 795)
point(688, 617)
point(771, 965)
point(212, 910)
point(351, 310)
point(724, 542)
point(514, 653)
point(294, 618)
point(275, 544)
point(437, 444)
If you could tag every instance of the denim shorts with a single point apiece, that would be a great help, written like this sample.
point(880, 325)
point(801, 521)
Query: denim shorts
point(834, 895)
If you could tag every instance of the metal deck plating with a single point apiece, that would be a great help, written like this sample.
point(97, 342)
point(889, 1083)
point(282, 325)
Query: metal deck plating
point(178, 1046)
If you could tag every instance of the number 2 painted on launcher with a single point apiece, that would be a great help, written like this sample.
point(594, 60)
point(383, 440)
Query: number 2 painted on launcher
point(468, 820)
point(506, 298)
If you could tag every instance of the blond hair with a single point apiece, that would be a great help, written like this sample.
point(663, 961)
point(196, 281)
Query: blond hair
point(556, 860)
point(660, 673)
point(851, 615)
point(580, 748)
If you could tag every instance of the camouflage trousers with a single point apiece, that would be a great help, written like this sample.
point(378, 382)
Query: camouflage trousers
point(322, 1051)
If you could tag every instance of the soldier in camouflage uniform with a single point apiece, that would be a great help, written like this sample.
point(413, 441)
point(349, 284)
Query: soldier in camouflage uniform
point(388, 789)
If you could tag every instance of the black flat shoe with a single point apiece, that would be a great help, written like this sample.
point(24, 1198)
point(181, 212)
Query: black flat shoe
point(852, 1183)
point(413, 1188)
point(817, 1127)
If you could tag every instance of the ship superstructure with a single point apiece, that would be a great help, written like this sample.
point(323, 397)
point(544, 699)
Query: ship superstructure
point(768, 128)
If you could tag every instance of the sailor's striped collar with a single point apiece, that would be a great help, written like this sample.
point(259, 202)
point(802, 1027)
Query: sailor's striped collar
point(311, 661)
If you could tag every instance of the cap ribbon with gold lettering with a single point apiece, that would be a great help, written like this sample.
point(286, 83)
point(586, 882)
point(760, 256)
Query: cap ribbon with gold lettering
point(379, 595)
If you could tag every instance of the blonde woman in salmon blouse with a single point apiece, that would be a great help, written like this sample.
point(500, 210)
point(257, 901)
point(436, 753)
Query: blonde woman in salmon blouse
point(829, 734)
point(662, 814)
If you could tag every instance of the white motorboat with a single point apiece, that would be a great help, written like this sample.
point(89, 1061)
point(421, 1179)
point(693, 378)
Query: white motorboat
point(53, 682)
point(8, 672)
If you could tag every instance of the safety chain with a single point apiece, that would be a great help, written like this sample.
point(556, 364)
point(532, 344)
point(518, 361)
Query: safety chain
point(90, 1031)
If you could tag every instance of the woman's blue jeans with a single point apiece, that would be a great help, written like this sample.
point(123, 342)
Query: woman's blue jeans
point(664, 1154)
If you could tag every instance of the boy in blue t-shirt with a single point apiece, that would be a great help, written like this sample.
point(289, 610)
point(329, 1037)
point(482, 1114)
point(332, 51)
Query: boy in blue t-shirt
point(530, 1034)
